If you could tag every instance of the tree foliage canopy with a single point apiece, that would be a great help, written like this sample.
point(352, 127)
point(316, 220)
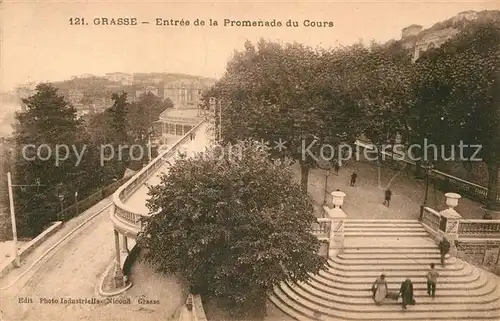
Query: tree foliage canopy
point(234, 224)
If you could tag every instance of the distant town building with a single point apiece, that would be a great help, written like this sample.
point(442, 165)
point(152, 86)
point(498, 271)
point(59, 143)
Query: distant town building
point(178, 121)
point(120, 77)
point(149, 89)
point(74, 96)
point(186, 93)
point(101, 104)
point(418, 40)
point(82, 76)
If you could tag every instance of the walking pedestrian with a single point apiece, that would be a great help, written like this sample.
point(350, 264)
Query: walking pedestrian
point(336, 167)
point(353, 178)
point(406, 292)
point(444, 248)
point(388, 195)
point(379, 289)
point(432, 276)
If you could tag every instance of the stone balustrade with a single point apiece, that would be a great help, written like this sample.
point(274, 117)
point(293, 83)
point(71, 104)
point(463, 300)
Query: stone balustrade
point(133, 217)
point(476, 241)
point(448, 182)
point(479, 228)
point(430, 220)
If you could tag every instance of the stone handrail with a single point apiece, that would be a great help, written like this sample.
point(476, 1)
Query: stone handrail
point(479, 228)
point(430, 219)
point(461, 184)
point(129, 214)
point(466, 228)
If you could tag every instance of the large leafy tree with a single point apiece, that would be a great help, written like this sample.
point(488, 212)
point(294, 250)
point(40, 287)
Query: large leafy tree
point(48, 121)
point(142, 115)
point(116, 118)
point(458, 91)
point(141, 118)
point(282, 94)
point(238, 221)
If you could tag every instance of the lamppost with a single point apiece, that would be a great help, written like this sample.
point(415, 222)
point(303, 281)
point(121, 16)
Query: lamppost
point(61, 199)
point(428, 168)
point(76, 202)
point(326, 166)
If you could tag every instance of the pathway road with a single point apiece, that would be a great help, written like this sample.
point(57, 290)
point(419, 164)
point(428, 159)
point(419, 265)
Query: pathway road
point(365, 199)
point(74, 268)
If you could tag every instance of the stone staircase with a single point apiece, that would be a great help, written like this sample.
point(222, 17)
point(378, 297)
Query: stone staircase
point(400, 249)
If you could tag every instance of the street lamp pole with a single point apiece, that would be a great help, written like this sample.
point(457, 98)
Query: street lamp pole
point(61, 198)
point(327, 174)
point(428, 168)
point(17, 262)
point(76, 202)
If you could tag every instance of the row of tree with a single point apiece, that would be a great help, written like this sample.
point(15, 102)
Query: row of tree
point(49, 120)
point(300, 95)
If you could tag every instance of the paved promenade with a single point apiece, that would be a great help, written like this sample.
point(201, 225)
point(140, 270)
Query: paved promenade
point(365, 199)
point(138, 199)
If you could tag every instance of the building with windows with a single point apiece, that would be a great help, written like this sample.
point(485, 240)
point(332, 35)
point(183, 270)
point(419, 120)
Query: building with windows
point(418, 40)
point(148, 89)
point(120, 77)
point(186, 96)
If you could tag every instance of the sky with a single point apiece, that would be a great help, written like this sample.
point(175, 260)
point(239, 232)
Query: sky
point(39, 44)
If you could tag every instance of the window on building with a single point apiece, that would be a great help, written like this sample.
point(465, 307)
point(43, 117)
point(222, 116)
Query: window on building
point(178, 130)
point(187, 129)
point(171, 129)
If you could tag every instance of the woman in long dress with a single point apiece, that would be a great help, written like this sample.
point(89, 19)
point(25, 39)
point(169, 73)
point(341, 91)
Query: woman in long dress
point(379, 289)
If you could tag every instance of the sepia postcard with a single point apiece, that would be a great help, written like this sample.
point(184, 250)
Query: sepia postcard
point(249, 161)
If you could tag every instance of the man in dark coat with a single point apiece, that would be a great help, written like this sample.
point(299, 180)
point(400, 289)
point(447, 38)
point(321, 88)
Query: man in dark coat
point(388, 195)
point(354, 176)
point(406, 292)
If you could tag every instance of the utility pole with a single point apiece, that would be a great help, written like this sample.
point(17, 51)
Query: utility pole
point(17, 262)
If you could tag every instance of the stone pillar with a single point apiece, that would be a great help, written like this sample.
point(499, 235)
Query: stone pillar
point(124, 244)
point(449, 222)
point(337, 218)
point(117, 247)
point(118, 276)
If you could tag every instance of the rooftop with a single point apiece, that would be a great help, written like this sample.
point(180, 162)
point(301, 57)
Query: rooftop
point(182, 113)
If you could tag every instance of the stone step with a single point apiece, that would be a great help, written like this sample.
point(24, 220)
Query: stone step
point(451, 264)
point(454, 293)
point(314, 312)
point(394, 276)
point(456, 270)
point(287, 310)
point(383, 229)
point(367, 304)
point(386, 261)
point(473, 281)
point(381, 224)
point(372, 250)
point(490, 294)
point(384, 234)
point(378, 221)
point(382, 256)
point(428, 303)
point(396, 242)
